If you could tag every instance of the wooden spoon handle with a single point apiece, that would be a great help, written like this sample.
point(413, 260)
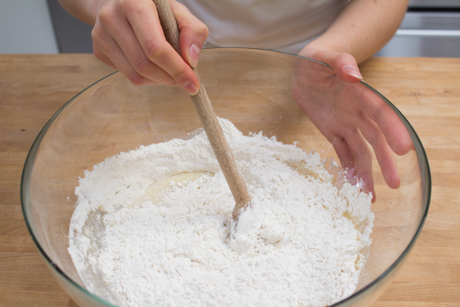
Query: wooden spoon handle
point(208, 118)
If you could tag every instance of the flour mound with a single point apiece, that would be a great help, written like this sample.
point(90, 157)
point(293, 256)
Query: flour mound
point(153, 227)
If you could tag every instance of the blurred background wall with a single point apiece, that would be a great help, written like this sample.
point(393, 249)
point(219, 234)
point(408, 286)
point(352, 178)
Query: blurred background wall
point(26, 27)
point(430, 28)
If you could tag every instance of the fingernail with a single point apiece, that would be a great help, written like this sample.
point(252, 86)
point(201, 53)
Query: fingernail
point(190, 88)
point(353, 71)
point(193, 55)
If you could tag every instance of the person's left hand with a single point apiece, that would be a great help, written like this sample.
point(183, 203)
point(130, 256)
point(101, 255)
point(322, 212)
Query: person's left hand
point(348, 114)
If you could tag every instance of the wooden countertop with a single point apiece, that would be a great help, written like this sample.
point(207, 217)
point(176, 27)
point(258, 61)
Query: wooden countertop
point(426, 90)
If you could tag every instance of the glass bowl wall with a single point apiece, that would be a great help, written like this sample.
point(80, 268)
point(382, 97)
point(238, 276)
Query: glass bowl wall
point(251, 88)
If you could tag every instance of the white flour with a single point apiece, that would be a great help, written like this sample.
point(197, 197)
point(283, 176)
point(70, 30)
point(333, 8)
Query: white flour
point(144, 235)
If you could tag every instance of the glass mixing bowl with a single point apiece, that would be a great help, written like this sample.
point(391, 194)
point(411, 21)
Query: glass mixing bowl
point(255, 89)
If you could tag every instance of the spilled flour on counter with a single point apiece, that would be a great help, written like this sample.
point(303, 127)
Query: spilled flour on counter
point(151, 227)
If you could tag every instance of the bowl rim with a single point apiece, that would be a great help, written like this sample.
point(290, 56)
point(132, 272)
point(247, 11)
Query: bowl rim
point(419, 149)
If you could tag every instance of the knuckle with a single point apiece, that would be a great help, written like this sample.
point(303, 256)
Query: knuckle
point(344, 58)
point(202, 31)
point(319, 54)
point(153, 50)
point(166, 81)
point(129, 6)
point(135, 78)
point(125, 4)
point(142, 66)
point(180, 76)
point(96, 34)
point(171, 83)
point(106, 15)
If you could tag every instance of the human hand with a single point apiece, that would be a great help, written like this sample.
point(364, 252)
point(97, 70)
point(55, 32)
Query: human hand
point(127, 36)
point(348, 113)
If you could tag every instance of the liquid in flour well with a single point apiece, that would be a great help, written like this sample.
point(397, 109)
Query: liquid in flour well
point(154, 192)
point(151, 227)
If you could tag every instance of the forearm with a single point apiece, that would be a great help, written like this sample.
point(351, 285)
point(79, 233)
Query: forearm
point(363, 28)
point(82, 9)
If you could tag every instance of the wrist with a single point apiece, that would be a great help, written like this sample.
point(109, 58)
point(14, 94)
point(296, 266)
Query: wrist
point(324, 44)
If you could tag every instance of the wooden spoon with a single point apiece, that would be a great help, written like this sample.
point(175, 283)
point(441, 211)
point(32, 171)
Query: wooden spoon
point(208, 118)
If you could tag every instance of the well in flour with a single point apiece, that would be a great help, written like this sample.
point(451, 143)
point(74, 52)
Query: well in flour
point(151, 227)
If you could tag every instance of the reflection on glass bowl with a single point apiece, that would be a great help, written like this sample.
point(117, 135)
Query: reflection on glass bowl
point(254, 89)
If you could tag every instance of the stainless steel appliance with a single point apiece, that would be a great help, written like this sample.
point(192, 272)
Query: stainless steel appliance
point(431, 28)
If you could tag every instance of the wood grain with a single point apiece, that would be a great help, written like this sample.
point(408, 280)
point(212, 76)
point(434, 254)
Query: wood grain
point(208, 118)
point(426, 90)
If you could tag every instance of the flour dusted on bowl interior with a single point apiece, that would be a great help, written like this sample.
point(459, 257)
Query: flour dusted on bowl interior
point(152, 227)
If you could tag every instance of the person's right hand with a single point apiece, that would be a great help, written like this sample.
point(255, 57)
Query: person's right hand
point(127, 36)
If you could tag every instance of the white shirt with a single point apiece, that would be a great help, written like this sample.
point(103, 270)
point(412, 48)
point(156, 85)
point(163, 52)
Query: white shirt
point(284, 25)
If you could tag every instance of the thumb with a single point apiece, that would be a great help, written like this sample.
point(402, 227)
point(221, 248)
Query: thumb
point(343, 64)
point(193, 33)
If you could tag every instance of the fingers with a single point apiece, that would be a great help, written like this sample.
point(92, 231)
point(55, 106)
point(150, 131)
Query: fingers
point(357, 114)
point(102, 57)
point(108, 51)
point(373, 106)
point(128, 35)
point(389, 123)
point(356, 161)
point(383, 152)
point(147, 29)
point(343, 64)
point(394, 130)
point(362, 159)
point(343, 152)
